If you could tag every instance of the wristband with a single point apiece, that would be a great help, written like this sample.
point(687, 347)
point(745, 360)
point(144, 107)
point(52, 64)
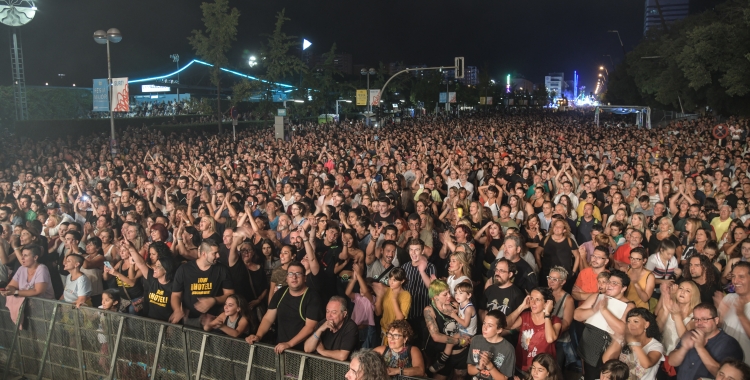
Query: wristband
point(316, 336)
point(634, 344)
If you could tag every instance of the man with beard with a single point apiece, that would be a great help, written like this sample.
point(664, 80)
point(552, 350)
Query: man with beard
point(205, 285)
point(704, 274)
point(503, 295)
point(295, 309)
point(586, 283)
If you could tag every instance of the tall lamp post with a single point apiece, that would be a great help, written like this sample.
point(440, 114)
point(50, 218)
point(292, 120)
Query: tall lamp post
point(369, 105)
point(101, 37)
point(605, 69)
point(618, 37)
point(176, 59)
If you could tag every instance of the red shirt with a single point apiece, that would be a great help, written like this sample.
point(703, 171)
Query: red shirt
point(532, 341)
point(622, 254)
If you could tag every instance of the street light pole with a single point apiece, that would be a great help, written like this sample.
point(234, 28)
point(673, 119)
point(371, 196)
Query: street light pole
point(618, 37)
point(101, 37)
point(610, 59)
point(369, 104)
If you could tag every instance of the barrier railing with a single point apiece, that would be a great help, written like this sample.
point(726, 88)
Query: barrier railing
point(57, 341)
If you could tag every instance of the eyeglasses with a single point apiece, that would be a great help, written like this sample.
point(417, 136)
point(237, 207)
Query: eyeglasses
point(294, 274)
point(703, 320)
point(394, 336)
point(553, 279)
point(615, 283)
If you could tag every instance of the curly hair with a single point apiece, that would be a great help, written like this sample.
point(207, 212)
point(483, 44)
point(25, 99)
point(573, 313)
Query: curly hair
point(403, 327)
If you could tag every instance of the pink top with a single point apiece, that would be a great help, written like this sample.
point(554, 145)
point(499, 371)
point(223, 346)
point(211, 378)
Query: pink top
point(41, 275)
point(364, 311)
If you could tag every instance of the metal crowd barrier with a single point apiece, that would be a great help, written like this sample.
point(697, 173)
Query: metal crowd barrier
point(57, 341)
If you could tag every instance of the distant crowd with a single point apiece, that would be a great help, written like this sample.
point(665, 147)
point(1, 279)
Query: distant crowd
point(535, 246)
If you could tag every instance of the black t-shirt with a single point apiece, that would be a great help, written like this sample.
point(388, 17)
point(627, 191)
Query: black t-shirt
point(557, 254)
point(506, 300)
point(347, 338)
point(707, 290)
point(327, 257)
point(292, 313)
point(390, 219)
point(215, 237)
point(525, 278)
point(195, 283)
point(159, 297)
point(241, 280)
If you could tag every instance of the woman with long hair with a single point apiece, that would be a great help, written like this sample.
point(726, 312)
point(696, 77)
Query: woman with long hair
point(475, 216)
point(674, 314)
point(157, 280)
point(491, 236)
point(639, 348)
point(516, 209)
point(638, 222)
point(491, 197)
point(459, 270)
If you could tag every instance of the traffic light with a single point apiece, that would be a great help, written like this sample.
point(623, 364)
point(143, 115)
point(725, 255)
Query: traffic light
point(459, 67)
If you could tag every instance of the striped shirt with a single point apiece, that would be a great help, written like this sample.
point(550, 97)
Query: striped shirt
point(416, 287)
point(661, 271)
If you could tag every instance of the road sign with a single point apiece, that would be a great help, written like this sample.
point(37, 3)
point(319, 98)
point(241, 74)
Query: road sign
point(720, 131)
point(282, 112)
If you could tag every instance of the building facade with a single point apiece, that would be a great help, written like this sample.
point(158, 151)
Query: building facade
point(555, 83)
point(671, 10)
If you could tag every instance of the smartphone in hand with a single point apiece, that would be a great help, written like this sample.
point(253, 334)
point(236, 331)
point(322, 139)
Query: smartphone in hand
point(108, 265)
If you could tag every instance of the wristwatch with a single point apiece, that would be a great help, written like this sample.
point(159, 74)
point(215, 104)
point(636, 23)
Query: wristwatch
point(15, 293)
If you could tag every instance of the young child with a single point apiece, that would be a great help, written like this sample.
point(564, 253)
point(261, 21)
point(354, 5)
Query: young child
point(490, 355)
point(233, 321)
point(363, 312)
point(615, 230)
point(465, 315)
point(111, 300)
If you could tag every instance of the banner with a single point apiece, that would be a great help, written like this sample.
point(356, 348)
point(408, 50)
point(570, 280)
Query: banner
point(452, 97)
point(101, 95)
point(361, 97)
point(443, 97)
point(485, 100)
point(120, 95)
point(489, 100)
point(374, 97)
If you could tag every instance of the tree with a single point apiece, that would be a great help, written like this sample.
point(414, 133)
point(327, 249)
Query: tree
point(322, 82)
point(541, 95)
point(276, 59)
point(213, 45)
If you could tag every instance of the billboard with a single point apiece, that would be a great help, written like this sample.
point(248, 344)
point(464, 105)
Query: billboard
point(101, 95)
point(452, 97)
point(361, 97)
point(443, 97)
point(374, 97)
point(120, 101)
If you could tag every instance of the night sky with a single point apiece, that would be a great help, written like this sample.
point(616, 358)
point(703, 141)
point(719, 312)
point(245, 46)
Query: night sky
point(529, 37)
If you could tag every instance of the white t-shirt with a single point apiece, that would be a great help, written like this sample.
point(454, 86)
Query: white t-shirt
point(78, 288)
point(732, 325)
point(636, 370)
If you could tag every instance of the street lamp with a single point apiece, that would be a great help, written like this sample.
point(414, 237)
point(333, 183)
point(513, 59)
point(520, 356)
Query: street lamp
point(101, 37)
point(369, 106)
point(176, 59)
point(337, 104)
point(252, 61)
point(618, 37)
point(610, 59)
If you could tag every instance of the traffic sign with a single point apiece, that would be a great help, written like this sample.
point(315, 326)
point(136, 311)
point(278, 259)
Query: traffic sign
point(720, 131)
point(282, 112)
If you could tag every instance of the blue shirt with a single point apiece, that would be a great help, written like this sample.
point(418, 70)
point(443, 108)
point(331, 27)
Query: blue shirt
point(721, 347)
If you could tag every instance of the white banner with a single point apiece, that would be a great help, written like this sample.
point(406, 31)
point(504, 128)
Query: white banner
point(120, 101)
point(374, 97)
point(451, 97)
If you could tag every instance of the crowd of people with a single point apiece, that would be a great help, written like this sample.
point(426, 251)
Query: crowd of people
point(487, 247)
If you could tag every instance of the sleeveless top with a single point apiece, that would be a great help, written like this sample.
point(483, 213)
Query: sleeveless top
point(445, 325)
point(669, 334)
point(286, 203)
point(493, 208)
point(232, 325)
point(397, 359)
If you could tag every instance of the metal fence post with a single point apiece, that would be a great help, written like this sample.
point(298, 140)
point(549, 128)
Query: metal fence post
point(15, 343)
point(302, 367)
point(45, 352)
point(188, 372)
point(113, 361)
point(158, 351)
point(200, 357)
point(78, 343)
point(280, 366)
point(250, 362)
